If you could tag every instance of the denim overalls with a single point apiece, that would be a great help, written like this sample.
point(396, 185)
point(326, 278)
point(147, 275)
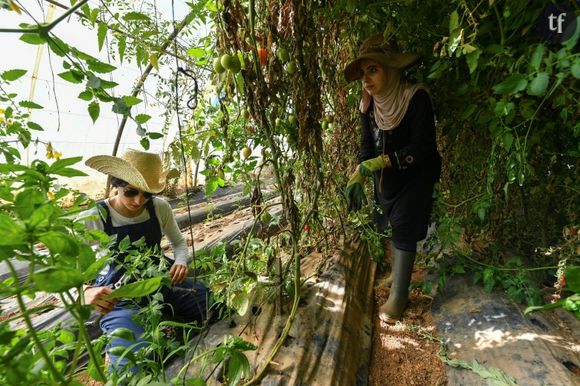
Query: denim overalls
point(187, 301)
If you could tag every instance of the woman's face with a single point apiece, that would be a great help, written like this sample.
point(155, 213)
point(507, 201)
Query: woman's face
point(132, 199)
point(374, 77)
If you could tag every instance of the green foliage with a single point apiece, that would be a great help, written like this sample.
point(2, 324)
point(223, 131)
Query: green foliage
point(525, 136)
point(37, 230)
point(567, 276)
point(505, 102)
point(138, 289)
point(232, 351)
point(235, 281)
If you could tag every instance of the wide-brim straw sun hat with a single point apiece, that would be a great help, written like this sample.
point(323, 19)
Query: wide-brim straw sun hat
point(381, 51)
point(140, 169)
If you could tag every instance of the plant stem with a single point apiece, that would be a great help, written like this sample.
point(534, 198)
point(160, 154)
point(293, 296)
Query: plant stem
point(504, 268)
point(501, 33)
point(32, 331)
point(45, 28)
point(85, 336)
point(285, 331)
point(137, 88)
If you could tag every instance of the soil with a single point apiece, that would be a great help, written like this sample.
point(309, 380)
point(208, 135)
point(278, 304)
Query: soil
point(406, 353)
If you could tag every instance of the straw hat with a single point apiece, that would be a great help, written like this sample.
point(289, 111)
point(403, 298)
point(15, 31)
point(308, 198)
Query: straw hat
point(138, 168)
point(385, 53)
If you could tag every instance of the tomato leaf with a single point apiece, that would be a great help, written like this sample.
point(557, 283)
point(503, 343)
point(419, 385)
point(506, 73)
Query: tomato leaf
point(196, 52)
point(100, 67)
point(86, 95)
point(472, 60)
point(30, 105)
point(70, 172)
point(32, 38)
point(42, 216)
point(137, 289)
point(573, 278)
point(72, 76)
point(575, 70)
point(61, 163)
point(27, 201)
point(134, 16)
point(12, 233)
point(60, 243)
point(539, 84)
point(131, 100)
point(57, 279)
point(34, 126)
point(453, 21)
point(155, 135)
point(12, 75)
point(513, 84)
point(101, 34)
point(142, 118)
point(94, 111)
point(537, 56)
point(145, 143)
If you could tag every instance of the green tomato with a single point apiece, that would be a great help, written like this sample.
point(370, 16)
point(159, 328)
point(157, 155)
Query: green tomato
point(283, 55)
point(246, 152)
point(291, 67)
point(278, 123)
point(236, 65)
point(226, 61)
point(231, 62)
point(123, 333)
point(120, 351)
point(292, 119)
point(570, 305)
point(217, 65)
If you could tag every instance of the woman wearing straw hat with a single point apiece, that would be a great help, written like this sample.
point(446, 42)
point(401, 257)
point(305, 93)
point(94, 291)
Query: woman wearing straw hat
point(135, 212)
point(398, 149)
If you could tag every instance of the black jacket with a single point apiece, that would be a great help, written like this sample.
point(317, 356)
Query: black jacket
point(411, 146)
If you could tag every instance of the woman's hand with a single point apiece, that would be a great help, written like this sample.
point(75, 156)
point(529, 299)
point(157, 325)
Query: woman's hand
point(355, 195)
point(97, 297)
point(178, 273)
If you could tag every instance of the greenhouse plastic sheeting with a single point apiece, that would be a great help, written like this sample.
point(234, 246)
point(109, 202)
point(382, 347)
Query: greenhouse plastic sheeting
point(329, 342)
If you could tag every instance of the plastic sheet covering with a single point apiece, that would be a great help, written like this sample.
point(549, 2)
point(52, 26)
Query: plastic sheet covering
point(541, 348)
point(329, 342)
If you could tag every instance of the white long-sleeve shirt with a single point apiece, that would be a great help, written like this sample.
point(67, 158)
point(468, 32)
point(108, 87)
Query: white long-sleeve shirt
point(166, 219)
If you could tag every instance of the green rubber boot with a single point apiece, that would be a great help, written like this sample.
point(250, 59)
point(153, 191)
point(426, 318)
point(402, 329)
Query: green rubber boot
point(389, 252)
point(392, 310)
point(389, 280)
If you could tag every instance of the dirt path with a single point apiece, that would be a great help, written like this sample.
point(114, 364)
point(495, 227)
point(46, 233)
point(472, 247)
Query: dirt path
point(403, 354)
point(488, 338)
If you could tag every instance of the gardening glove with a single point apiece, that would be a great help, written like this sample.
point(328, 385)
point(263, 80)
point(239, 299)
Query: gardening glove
point(355, 195)
point(368, 167)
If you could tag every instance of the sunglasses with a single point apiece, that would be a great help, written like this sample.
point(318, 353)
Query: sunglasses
point(130, 192)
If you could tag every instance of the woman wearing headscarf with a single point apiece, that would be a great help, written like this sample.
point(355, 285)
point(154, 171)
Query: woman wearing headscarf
point(137, 214)
point(399, 150)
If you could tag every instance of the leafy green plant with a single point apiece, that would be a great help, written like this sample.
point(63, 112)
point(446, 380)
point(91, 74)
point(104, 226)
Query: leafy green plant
point(567, 275)
point(39, 232)
point(569, 278)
